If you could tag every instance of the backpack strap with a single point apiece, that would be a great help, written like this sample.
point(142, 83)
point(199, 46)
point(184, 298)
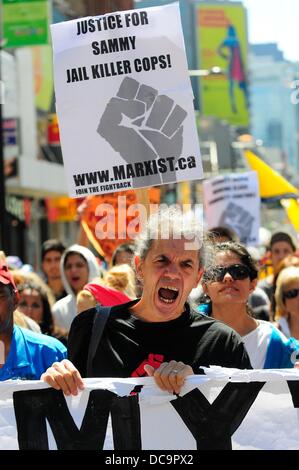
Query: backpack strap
point(100, 319)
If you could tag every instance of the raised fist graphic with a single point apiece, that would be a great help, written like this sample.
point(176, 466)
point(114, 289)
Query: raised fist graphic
point(142, 125)
point(239, 220)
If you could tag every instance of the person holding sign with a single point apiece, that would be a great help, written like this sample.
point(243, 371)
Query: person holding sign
point(159, 334)
point(229, 278)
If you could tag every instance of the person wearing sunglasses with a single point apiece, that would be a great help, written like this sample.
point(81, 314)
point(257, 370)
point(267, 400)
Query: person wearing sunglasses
point(287, 301)
point(230, 277)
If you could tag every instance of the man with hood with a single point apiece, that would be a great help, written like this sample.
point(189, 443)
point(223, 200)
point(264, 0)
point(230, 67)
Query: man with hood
point(78, 266)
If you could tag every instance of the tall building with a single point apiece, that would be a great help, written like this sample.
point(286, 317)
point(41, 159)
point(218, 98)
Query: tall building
point(79, 8)
point(274, 118)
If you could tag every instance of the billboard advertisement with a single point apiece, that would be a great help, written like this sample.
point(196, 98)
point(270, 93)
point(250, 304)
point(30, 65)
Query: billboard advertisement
point(222, 43)
point(25, 22)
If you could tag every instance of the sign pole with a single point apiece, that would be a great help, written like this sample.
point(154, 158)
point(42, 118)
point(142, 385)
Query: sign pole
point(3, 221)
point(142, 196)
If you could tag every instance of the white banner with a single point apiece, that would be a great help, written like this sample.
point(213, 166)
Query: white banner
point(124, 101)
point(233, 201)
point(224, 409)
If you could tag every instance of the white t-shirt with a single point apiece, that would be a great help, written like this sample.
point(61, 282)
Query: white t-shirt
point(257, 342)
point(284, 327)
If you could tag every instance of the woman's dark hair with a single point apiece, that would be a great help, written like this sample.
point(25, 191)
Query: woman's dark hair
point(236, 248)
point(124, 247)
point(282, 237)
point(221, 232)
point(47, 322)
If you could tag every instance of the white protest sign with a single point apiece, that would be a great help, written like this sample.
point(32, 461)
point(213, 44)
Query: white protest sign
point(224, 409)
point(233, 201)
point(124, 101)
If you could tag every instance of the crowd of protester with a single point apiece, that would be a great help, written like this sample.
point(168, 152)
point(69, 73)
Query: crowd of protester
point(229, 286)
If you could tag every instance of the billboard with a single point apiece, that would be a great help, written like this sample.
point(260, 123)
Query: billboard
point(222, 42)
point(25, 22)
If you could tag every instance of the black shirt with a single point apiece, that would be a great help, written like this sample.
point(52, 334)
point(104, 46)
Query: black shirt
point(128, 343)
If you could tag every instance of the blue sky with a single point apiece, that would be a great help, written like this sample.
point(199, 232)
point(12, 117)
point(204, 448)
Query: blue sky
point(275, 21)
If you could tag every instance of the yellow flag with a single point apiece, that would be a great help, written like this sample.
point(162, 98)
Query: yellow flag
point(292, 209)
point(271, 183)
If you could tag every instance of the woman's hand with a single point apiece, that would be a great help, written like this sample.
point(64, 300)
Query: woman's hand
point(64, 376)
point(170, 376)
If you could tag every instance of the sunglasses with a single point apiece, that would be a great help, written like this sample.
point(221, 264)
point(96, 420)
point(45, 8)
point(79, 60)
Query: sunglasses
point(237, 271)
point(290, 294)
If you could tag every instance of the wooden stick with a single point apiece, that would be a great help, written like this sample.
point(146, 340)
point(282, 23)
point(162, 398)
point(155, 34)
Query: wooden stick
point(142, 196)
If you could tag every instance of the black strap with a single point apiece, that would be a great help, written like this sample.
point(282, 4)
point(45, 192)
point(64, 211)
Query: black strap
point(100, 319)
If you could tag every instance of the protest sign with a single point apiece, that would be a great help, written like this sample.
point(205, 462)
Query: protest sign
point(224, 409)
point(233, 201)
point(124, 101)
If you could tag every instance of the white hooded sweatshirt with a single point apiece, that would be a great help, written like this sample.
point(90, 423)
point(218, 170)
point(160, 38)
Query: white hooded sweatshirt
point(65, 310)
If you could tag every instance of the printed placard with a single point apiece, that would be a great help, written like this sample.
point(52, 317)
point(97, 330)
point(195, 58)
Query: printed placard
point(233, 201)
point(124, 101)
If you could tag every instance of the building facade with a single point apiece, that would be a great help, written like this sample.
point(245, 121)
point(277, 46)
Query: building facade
point(274, 117)
point(36, 199)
